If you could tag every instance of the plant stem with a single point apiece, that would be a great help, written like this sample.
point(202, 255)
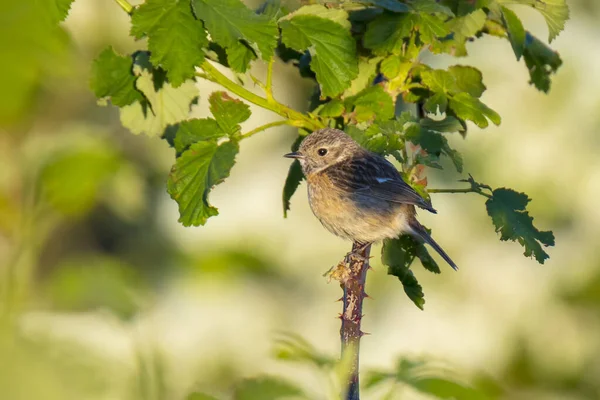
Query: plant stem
point(298, 118)
point(350, 333)
point(128, 8)
point(267, 126)
point(269, 86)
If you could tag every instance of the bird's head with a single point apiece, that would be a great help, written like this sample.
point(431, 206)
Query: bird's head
point(324, 148)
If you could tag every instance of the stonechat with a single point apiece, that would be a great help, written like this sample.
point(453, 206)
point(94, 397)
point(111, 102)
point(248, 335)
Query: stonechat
point(357, 194)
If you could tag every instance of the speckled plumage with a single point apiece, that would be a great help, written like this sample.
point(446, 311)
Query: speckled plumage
point(359, 195)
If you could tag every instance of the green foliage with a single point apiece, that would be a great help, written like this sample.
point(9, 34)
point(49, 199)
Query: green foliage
point(512, 221)
point(425, 378)
point(175, 37)
point(364, 59)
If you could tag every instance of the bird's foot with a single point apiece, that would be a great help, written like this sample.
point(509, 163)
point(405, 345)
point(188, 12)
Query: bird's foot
point(357, 254)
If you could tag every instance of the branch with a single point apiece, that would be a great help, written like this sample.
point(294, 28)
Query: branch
point(128, 8)
point(269, 87)
point(267, 126)
point(350, 333)
point(296, 117)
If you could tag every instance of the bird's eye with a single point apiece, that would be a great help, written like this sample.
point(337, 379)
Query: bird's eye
point(322, 152)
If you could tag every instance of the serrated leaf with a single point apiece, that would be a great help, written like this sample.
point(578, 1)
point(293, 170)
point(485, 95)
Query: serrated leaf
point(228, 112)
point(332, 109)
point(386, 33)
point(331, 46)
point(336, 15)
point(293, 180)
point(372, 102)
point(204, 165)
point(431, 27)
point(507, 209)
point(113, 78)
point(266, 388)
point(541, 61)
point(515, 30)
point(555, 12)
point(468, 79)
point(196, 130)
point(175, 37)
point(168, 105)
point(398, 255)
point(230, 21)
point(59, 9)
point(239, 56)
point(470, 108)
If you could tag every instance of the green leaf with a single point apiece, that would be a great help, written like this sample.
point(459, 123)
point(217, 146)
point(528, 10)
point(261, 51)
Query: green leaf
point(436, 103)
point(508, 211)
point(336, 15)
point(113, 78)
point(370, 103)
point(431, 27)
point(398, 254)
point(430, 7)
point(541, 62)
point(175, 37)
point(196, 130)
point(293, 180)
point(228, 112)
point(469, 25)
point(367, 70)
point(515, 30)
point(332, 109)
point(448, 124)
point(266, 388)
point(439, 80)
point(390, 67)
point(230, 21)
point(390, 5)
point(470, 108)
point(556, 13)
point(467, 79)
point(386, 33)
point(59, 9)
point(239, 56)
point(331, 46)
point(167, 105)
point(204, 165)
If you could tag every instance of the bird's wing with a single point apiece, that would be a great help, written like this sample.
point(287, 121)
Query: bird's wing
point(375, 176)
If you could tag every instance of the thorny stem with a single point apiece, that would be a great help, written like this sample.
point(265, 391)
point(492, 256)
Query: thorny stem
point(350, 333)
point(465, 190)
point(298, 118)
point(269, 86)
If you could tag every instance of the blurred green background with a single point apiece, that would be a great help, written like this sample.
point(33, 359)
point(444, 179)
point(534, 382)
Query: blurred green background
point(105, 296)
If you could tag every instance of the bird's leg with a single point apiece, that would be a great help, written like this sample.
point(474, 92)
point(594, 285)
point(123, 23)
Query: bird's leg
point(357, 253)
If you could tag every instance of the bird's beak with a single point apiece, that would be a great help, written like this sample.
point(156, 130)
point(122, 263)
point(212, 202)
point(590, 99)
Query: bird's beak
point(293, 155)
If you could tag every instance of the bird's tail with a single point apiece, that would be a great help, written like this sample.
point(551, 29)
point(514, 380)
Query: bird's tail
point(421, 233)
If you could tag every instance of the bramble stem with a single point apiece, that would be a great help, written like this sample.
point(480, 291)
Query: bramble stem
point(267, 126)
point(350, 333)
point(298, 118)
point(128, 8)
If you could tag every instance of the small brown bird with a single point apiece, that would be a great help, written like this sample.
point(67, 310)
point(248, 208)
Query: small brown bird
point(357, 194)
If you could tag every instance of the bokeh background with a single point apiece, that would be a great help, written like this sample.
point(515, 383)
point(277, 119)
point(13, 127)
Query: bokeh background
point(106, 296)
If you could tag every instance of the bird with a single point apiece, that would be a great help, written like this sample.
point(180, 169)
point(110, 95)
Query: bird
point(357, 194)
